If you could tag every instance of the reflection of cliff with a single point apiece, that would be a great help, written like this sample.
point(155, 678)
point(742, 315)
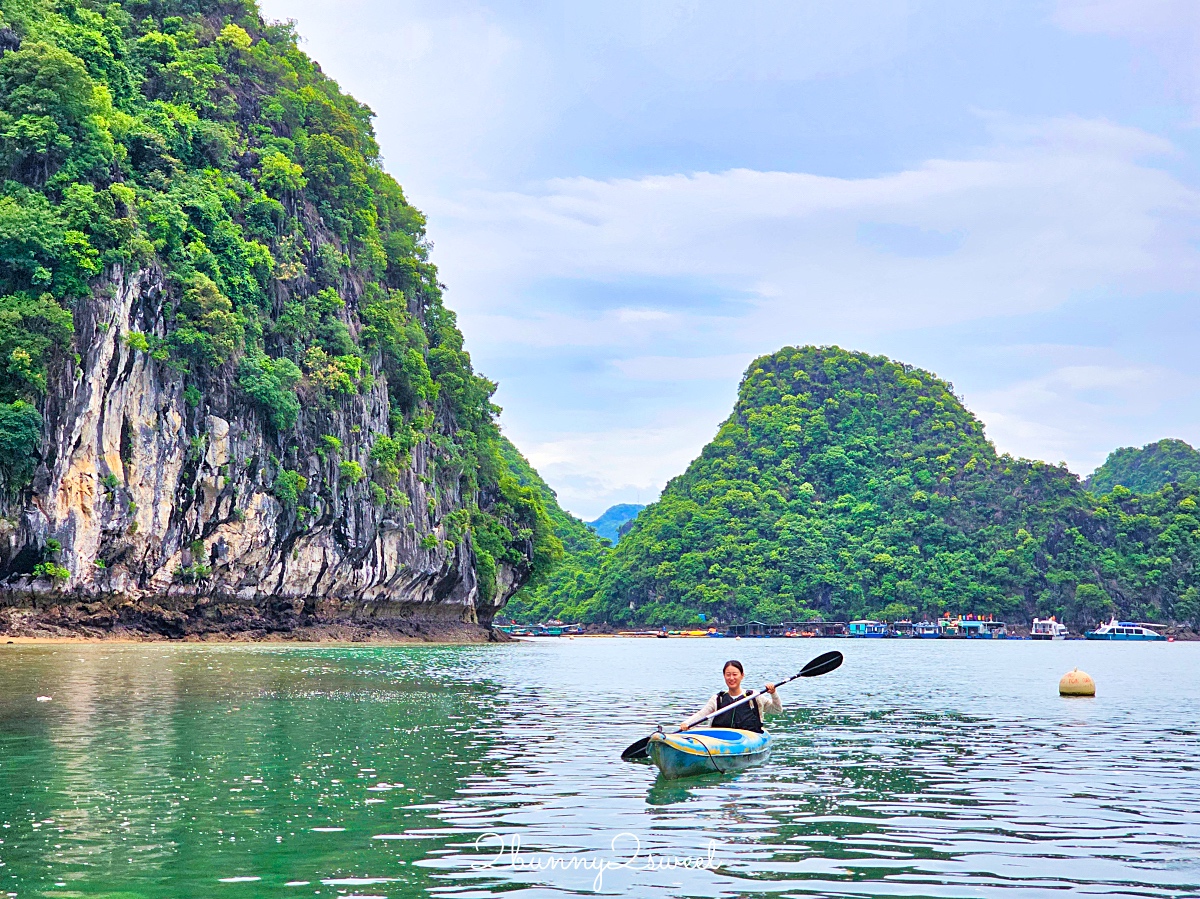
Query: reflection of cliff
point(110, 791)
point(158, 770)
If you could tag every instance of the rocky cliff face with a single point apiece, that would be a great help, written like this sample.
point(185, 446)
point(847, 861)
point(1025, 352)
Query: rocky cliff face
point(165, 514)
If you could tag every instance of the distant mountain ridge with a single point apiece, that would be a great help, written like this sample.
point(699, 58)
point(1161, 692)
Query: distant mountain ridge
point(1145, 470)
point(611, 525)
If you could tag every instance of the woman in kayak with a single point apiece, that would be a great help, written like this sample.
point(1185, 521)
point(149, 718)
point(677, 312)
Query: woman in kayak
point(748, 715)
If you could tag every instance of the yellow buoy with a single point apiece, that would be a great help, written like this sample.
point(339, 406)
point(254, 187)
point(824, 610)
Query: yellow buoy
point(1076, 683)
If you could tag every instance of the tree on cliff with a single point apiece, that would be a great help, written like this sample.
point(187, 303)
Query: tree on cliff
point(1147, 469)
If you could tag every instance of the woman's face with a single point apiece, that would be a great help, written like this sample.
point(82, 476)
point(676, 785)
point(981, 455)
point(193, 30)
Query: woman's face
point(733, 678)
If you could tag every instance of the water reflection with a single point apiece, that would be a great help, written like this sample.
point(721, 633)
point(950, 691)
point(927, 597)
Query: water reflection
point(672, 792)
point(180, 771)
point(168, 770)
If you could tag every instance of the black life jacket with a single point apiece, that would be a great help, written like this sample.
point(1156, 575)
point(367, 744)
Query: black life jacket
point(744, 717)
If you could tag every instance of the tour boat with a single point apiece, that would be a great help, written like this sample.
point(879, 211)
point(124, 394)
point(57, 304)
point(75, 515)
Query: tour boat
point(1123, 630)
point(713, 750)
point(927, 630)
point(1048, 629)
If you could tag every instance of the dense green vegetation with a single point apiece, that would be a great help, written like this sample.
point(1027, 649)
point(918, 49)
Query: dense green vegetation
point(574, 580)
point(190, 138)
point(1146, 470)
point(846, 485)
point(612, 524)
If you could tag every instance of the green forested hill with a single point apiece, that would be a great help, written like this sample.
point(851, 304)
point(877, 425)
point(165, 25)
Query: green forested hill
point(1147, 469)
point(845, 484)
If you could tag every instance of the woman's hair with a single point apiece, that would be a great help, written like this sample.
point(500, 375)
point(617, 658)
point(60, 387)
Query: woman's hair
point(736, 664)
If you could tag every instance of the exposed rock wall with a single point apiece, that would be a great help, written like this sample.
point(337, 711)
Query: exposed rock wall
point(139, 488)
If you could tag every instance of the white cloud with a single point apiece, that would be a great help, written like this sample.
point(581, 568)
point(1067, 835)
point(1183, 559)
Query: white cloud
point(626, 316)
point(1168, 29)
point(764, 41)
point(727, 368)
point(1086, 403)
point(1072, 207)
point(453, 85)
point(475, 90)
point(1142, 18)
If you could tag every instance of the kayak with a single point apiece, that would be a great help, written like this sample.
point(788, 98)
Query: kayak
point(711, 750)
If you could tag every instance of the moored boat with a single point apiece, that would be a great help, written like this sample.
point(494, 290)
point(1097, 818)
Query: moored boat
point(926, 630)
point(866, 628)
point(713, 750)
point(1123, 630)
point(1048, 629)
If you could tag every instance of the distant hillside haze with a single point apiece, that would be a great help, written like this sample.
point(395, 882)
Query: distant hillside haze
point(845, 485)
point(610, 524)
point(1146, 470)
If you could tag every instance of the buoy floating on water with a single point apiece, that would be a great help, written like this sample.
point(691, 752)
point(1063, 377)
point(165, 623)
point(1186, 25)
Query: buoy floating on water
point(1076, 683)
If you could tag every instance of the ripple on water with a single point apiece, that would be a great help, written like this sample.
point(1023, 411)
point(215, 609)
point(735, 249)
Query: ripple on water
point(932, 770)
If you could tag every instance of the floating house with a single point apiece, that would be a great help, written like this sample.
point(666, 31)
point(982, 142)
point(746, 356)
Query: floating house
point(867, 628)
point(755, 629)
point(971, 628)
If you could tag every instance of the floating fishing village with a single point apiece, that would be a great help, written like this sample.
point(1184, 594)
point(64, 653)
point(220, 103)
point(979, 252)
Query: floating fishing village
point(945, 628)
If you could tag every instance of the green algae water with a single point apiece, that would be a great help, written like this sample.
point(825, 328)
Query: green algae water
point(920, 768)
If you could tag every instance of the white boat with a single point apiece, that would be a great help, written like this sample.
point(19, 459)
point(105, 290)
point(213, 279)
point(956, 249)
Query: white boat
point(1123, 630)
point(1048, 629)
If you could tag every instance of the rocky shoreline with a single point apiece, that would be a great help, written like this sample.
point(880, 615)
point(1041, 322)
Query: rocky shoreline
point(141, 621)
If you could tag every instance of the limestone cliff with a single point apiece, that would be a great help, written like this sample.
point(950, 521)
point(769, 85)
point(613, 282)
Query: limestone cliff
point(139, 489)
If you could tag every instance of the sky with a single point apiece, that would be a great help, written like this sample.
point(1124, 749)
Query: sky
point(630, 201)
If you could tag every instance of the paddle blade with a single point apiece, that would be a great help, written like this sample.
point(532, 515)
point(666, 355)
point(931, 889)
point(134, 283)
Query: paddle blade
point(636, 750)
point(822, 664)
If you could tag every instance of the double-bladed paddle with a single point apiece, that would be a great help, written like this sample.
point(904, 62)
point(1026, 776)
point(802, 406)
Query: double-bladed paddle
point(822, 664)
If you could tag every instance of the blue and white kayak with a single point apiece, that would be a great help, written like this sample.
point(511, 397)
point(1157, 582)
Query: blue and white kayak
point(718, 750)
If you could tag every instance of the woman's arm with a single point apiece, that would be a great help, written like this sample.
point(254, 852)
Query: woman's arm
point(710, 708)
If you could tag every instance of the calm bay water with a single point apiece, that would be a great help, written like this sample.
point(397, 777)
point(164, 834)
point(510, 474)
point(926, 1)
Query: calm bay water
point(921, 768)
